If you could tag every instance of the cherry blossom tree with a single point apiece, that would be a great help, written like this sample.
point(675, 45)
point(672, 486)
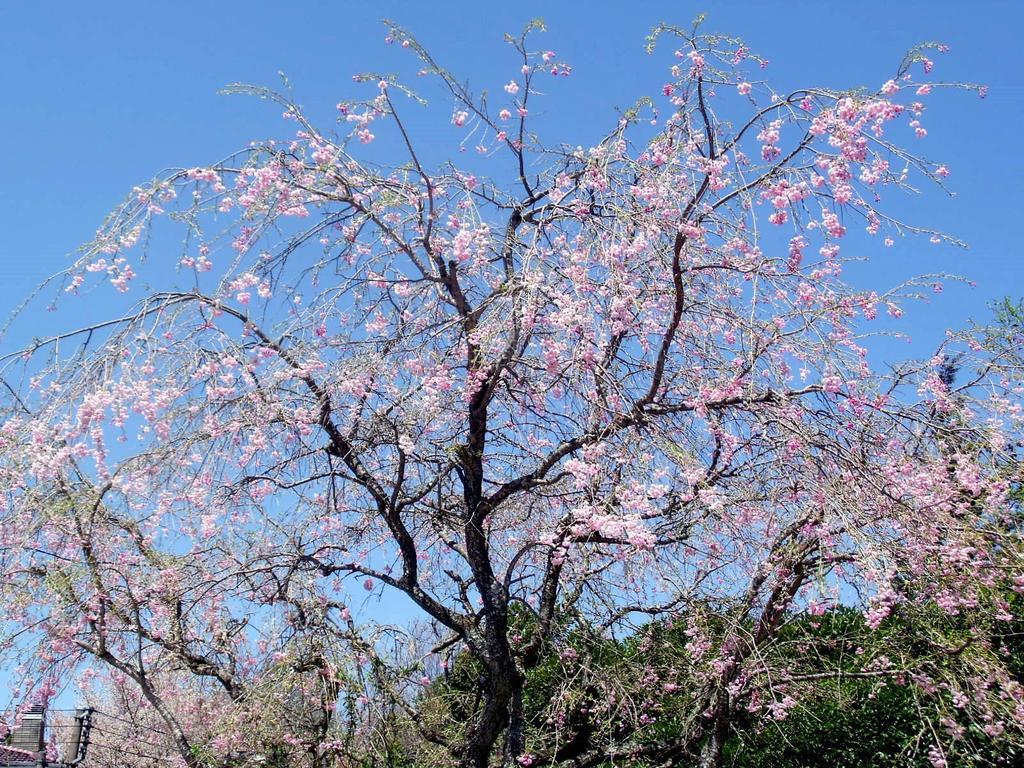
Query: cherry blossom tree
point(365, 418)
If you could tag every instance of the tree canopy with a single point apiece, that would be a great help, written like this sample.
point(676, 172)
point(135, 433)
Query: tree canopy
point(595, 431)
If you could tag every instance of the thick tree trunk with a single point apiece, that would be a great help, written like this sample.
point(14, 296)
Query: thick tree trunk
point(711, 752)
point(502, 683)
point(491, 721)
point(515, 733)
point(720, 709)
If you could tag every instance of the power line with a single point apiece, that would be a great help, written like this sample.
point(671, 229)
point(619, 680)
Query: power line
point(127, 737)
point(126, 751)
point(130, 722)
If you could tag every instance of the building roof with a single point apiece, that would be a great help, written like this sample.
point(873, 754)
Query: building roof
point(9, 756)
point(26, 742)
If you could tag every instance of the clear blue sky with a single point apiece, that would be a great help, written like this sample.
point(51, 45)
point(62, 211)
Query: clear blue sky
point(101, 96)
